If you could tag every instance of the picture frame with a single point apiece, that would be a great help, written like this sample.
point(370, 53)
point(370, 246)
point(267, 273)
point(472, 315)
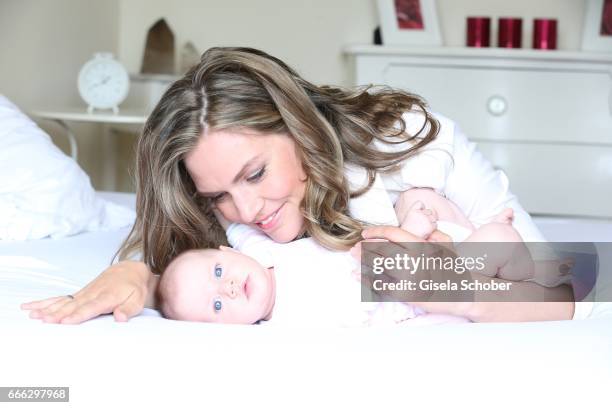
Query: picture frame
point(597, 29)
point(409, 22)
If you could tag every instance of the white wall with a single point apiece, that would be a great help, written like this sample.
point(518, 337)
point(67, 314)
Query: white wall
point(43, 44)
point(309, 35)
point(306, 34)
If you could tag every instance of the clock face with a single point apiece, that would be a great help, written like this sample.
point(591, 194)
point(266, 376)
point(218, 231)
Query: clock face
point(103, 82)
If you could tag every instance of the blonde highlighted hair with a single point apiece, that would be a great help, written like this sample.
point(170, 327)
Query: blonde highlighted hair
point(235, 88)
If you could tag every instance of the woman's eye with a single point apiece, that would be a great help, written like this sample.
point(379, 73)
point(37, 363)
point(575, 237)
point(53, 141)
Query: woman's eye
point(219, 197)
point(217, 305)
point(218, 271)
point(257, 175)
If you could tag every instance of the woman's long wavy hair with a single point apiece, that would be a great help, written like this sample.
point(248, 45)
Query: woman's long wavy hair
point(238, 88)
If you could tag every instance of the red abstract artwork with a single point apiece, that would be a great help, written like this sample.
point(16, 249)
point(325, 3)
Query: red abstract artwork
point(409, 16)
point(606, 18)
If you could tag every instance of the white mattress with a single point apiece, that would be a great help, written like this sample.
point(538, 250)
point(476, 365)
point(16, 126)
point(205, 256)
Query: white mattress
point(151, 359)
point(557, 229)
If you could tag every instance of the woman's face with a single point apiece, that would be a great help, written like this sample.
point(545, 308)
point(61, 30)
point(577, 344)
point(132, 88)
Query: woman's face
point(253, 178)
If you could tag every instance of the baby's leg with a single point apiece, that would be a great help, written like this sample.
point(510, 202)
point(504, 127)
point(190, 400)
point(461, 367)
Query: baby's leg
point(506, 254)
point(509, 258)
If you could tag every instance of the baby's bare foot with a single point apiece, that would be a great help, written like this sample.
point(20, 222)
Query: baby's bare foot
point(553, 273)
point(505, 217)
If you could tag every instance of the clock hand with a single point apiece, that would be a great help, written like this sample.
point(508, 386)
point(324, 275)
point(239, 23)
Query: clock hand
point(103, 82)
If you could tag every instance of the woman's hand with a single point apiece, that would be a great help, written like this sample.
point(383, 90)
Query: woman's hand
point(121, 289)
point(402, 243)
point(556, 303)
point(390, 233)
point(398, 235)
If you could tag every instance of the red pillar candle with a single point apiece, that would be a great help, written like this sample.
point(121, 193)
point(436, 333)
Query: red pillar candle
point(509, 32)
point(545, 34)
point(478, 31)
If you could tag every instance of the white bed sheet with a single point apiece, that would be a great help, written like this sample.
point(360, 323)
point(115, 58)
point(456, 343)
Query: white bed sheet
point(151, 359)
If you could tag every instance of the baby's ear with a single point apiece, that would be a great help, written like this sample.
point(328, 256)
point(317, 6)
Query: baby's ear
point(226, 248)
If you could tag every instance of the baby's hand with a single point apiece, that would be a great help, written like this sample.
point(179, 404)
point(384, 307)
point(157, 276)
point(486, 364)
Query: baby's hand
point(419, 220)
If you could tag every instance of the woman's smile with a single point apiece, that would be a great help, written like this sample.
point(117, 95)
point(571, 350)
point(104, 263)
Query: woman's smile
point(271, 221)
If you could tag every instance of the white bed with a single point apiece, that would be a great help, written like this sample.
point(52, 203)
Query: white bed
point(153, 360)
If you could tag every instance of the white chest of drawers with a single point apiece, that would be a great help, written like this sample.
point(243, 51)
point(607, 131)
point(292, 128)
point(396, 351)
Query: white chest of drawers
point(543, 117)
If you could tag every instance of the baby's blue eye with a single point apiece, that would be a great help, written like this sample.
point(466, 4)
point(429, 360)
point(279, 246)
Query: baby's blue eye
point(218, 305)
point(218, 271)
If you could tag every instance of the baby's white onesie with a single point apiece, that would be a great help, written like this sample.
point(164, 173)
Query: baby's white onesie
point(458, 233)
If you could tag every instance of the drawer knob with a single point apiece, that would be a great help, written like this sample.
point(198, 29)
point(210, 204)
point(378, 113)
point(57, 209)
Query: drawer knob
point(497, 105)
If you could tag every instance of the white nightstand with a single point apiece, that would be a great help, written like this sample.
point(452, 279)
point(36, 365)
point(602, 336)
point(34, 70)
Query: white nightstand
point(124, 117)
point(132, 119)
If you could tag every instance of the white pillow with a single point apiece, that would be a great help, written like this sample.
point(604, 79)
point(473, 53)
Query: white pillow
point(43, 192)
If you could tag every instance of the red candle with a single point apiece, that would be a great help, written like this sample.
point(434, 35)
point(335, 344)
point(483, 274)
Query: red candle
point(545, 34)
point(509, 33)
point(478, 31)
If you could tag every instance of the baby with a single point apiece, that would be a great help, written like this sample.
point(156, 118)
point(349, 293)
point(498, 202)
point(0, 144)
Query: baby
point(227, 286)
point(428, 215)
point(217, 285)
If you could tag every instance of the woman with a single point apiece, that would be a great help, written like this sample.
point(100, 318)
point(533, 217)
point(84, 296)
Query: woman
point(242, 138)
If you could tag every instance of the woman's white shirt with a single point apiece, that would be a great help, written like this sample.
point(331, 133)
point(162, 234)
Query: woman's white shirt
point(454, 168)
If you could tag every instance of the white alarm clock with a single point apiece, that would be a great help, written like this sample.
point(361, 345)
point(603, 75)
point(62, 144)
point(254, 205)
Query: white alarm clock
point(103, 83)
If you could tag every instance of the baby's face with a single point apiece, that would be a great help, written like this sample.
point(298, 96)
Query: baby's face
point(221, 286)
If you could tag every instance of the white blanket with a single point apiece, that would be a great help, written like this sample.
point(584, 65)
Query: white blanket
point(153, 360)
